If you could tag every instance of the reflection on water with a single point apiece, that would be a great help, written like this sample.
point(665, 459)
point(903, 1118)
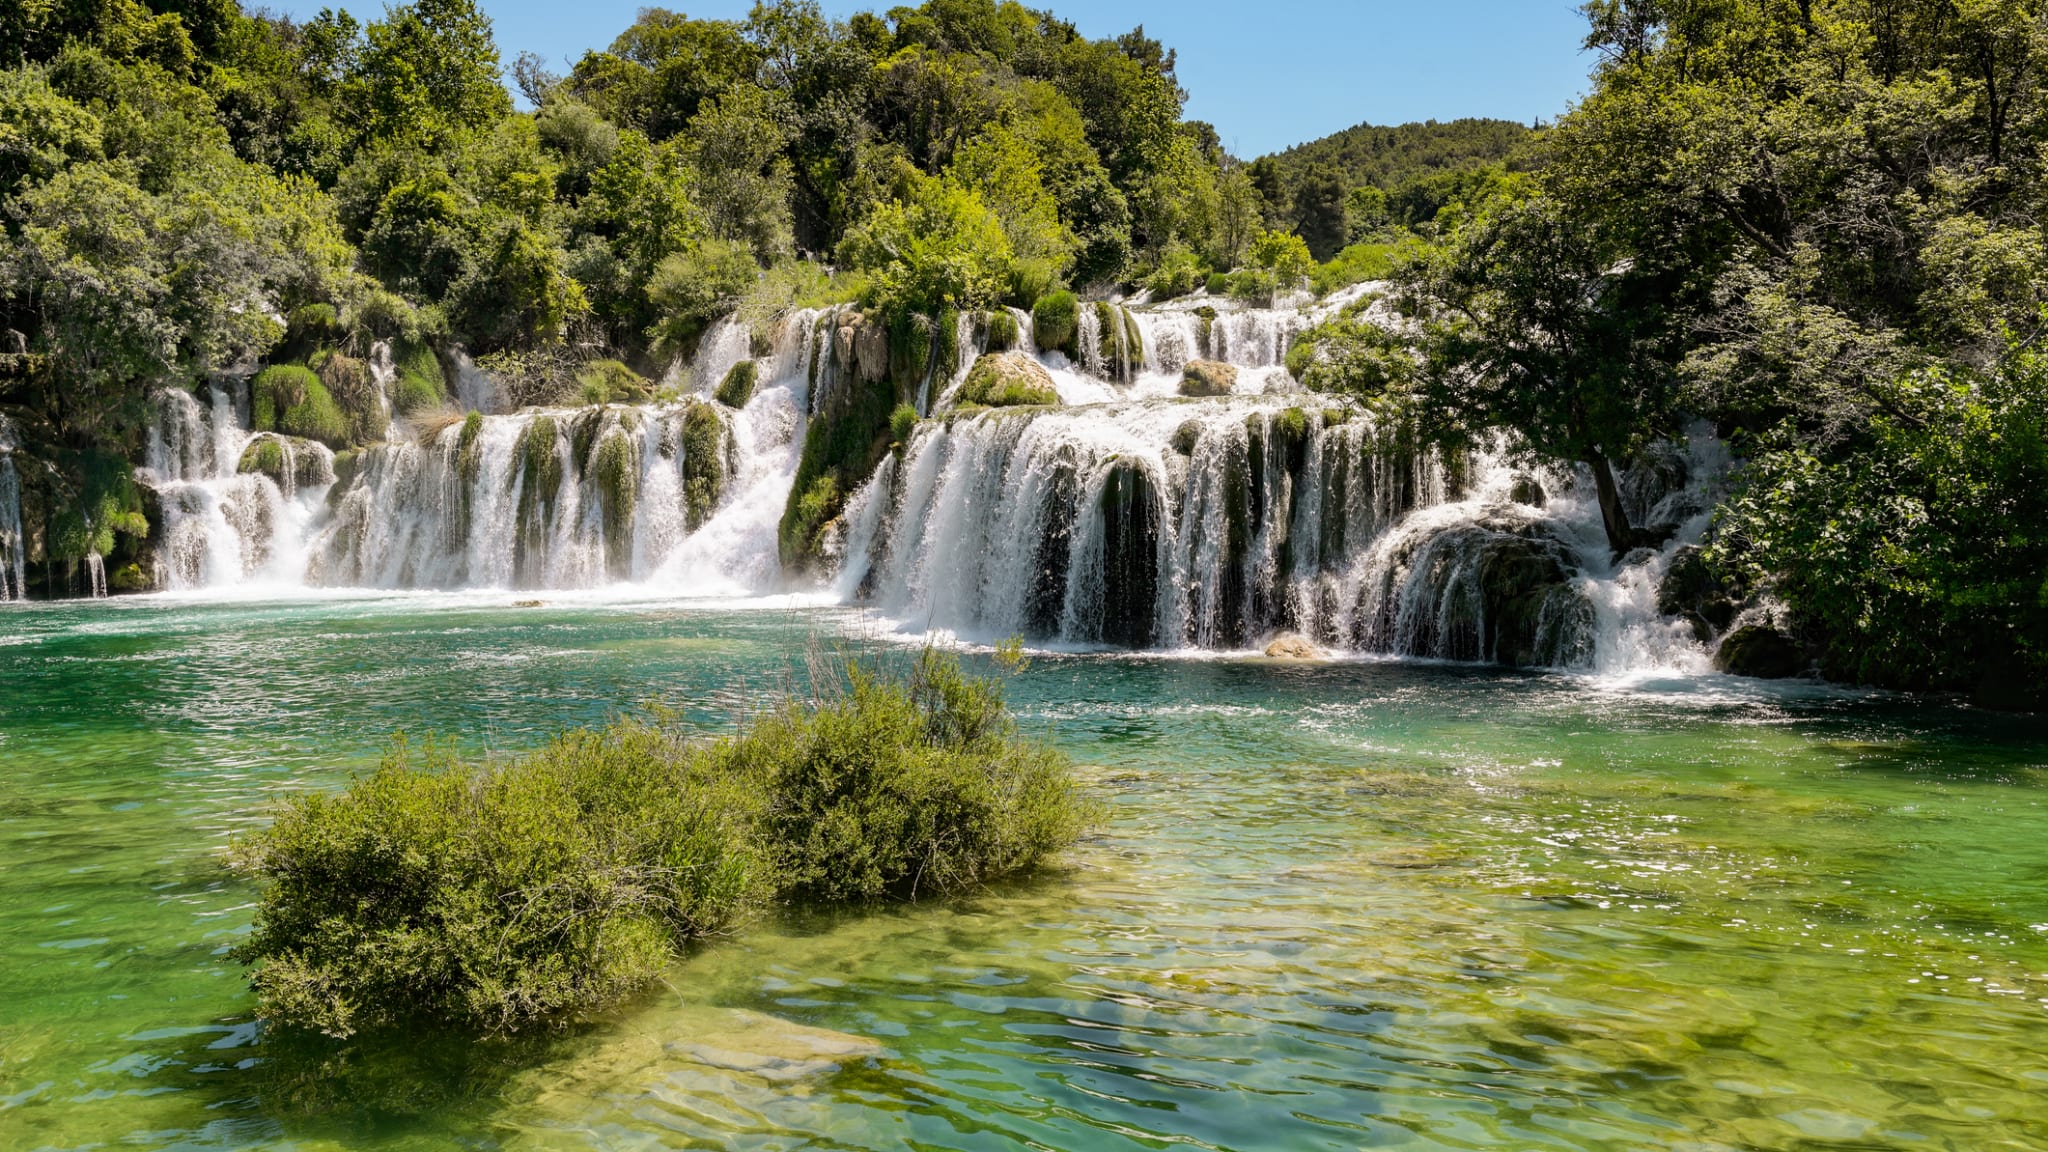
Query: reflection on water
point(1358, 905)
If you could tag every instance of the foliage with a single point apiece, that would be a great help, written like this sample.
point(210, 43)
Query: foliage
point(902, 423)
point(1920, 553)
point(1360, 263)
point(421, 385)
point(1056, 324)
point(693, 288)
point(1177, 273)
point(939, 247)
point(504, 896)
point(290, 399)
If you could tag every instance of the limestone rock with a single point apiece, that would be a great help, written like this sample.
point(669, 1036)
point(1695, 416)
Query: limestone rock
point(871, 350)
point(1008, 379)
point(1528, 490)
point(1204, 378)
point(1293, 647)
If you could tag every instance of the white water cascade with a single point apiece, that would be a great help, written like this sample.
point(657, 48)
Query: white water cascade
point(13, 544)
point(681, 495)
point(235, 511)
point(1126, 517)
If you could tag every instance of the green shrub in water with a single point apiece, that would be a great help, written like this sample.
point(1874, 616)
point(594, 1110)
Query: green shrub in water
point(738, 386)
point(1056, 323)
point(1002, 331)
point(495, 897)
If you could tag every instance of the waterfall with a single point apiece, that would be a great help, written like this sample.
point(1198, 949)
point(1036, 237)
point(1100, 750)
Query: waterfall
point(227, 515)
point(681, 495)
point(13, 544)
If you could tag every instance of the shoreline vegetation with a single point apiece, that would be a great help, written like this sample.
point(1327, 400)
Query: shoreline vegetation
point(496, 898)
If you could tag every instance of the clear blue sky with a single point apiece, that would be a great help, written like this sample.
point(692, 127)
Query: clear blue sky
point(1267, 73)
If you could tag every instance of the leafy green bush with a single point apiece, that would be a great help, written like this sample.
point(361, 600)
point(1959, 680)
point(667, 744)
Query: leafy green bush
point(1362, 262)
point(1056, 323)
point(610, 382)
point(691, 289)
point(496, 897)
point(1218, 284)
point(738, 386)
point(1002, 331)
point(1917, 556)
point(421, 385)
point(937, 247)
point(1178, 272)
point(289, 398)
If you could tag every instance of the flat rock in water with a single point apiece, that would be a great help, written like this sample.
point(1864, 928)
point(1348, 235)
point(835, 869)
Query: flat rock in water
point(770, 1047)
point(1205, 378)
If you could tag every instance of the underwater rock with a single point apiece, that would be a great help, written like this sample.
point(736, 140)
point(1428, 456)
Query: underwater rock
point(1008, 379)
point(1760, 651)
point(1206, 378)
point(1293, 647)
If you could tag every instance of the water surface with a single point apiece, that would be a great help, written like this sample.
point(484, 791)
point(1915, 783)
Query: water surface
point(1366, 904)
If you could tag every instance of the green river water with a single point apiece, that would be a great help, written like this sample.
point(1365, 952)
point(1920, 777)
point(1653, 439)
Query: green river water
point(1357, 905)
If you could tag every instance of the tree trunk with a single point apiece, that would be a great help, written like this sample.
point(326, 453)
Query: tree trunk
point(1620, 536)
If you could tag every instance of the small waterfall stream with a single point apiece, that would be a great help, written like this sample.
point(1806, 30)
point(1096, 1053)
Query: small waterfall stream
point(13, 544)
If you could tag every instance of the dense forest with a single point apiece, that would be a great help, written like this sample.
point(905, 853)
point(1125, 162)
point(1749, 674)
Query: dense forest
point(1813, 225)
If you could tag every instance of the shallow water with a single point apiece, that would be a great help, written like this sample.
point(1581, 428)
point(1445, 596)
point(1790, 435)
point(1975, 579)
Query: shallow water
point(1355, 905)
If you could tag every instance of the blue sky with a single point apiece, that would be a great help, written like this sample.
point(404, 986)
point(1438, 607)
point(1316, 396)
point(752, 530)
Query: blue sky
point(1267, 73)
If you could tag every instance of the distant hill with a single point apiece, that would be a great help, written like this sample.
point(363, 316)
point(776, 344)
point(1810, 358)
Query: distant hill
point(1389, 157)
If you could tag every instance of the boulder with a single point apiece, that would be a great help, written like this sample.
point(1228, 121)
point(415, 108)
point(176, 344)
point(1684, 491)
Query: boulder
point(1690, 588)
point(1293, 647)
point(1205, 378)
point(1528, 490)
point(1760, 651)
point(1008, 379)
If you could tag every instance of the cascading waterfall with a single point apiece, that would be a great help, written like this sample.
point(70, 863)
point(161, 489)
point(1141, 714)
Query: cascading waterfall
point(1129, 517)
point(13, 545)
point(224, 523)
point(682, 495)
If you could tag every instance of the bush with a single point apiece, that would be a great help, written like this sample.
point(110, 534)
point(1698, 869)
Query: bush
point(421, 384)
point(1218, 284)
point(497, 897)
point(902, 422)
point(1178, 273)
point(738, 386)
point(1362, 262)
point(610, 382)
point(1002, 331)
point(1056, 323)
point(289, 398)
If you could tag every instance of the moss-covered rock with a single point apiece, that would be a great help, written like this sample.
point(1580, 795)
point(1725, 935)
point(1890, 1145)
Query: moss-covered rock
point(1185, 436)
point(290, 464)
point(1008, 380)
point(1205, 378)
point(738, 386)
point(1002, 331)
point(611, 382)
point(1056, 324)
point(616, 469)
point(289, 398)
point(1762, 652)
point(540, 484)
point(421, 383)
point(704, 462)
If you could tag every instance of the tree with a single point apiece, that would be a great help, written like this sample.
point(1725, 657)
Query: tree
point(1537, 327)
point(937, 248)
point(1321, 211)
point(428, 66)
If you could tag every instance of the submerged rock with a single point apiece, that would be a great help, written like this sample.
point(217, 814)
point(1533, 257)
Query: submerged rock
point(1293, 647)
point(1008, 379)
point(1207, 378)
point(1760, 651)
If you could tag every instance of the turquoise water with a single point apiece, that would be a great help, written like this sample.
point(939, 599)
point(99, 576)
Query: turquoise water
point(1338, 906)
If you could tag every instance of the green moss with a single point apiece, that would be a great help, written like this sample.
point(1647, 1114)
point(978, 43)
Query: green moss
point(421, 384)
point(1006, 380)
point(1335, 416)
point(902, 423)
point(1185, 436)
point(290, 399)
point(704, 463)
point(128, 578)
point(611, 382)
point(1002, 331)
point(738, 386)
point(265, 456)
point(910, 348)
point(843, 445)
point(617, 469)
point(1056, 324)
point(540, 471)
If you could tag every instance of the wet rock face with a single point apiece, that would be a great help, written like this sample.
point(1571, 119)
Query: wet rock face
point(1500, 589)
point(871, 351)
point(1691, 590)
point(1207, 378)
point(1760, 651)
